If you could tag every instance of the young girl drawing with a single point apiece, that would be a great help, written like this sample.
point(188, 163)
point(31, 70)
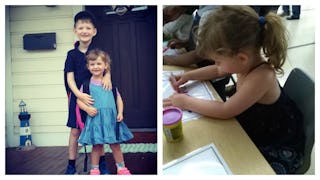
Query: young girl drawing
point(104, 116)
point(233, 37)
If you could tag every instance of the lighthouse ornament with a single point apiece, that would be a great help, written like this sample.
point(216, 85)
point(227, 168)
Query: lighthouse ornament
point(25, 131)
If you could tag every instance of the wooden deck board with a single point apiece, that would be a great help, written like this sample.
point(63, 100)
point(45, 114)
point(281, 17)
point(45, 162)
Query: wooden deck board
point(53, 160)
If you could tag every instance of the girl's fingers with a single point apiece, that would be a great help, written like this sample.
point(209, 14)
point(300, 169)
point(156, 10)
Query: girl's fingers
point(167, 102)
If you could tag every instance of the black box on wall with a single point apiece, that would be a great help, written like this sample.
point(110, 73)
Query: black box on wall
point(39, 41)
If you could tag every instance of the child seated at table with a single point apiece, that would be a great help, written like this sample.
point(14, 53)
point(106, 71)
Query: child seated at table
point(234, 37)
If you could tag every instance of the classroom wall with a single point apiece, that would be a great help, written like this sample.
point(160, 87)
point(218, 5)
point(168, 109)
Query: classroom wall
point(36, 77)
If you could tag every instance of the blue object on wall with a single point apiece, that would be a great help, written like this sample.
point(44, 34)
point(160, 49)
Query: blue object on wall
point(40, 41)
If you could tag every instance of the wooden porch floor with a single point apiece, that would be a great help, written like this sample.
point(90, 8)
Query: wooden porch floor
point(53, 160)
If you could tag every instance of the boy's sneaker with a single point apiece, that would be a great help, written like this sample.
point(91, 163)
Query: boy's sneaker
point(71, 170)
point(103, 168)
point(94, 171)
point(124, 171)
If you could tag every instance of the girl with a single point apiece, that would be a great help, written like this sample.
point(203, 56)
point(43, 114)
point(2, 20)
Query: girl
point(233, 37)
point(104, 116)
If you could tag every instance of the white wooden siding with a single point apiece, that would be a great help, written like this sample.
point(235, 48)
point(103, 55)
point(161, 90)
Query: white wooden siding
point(37, 76)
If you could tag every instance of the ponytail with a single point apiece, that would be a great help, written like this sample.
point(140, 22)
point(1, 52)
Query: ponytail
point(274, 41)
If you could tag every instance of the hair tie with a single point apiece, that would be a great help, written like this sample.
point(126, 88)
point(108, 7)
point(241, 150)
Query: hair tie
point(262, 21)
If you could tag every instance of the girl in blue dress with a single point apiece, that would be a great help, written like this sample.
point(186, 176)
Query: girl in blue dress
point(104, 123)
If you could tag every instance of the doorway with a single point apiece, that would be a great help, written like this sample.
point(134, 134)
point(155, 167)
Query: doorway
point(130, 38)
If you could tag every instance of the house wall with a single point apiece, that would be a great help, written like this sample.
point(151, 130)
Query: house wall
point(36, 77)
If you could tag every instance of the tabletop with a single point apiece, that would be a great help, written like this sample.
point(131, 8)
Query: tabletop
point(234, 145)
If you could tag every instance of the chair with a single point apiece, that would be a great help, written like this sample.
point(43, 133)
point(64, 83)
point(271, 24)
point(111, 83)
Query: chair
point(300, 88)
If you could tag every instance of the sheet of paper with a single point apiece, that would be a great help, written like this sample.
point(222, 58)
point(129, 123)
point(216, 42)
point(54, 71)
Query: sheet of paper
point(196, 89)
point(203, 161)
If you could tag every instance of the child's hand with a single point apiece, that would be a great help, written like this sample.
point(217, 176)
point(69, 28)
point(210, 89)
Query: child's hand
point(176, 44)
point(106, 82)
point(86, 99)
point(91, 111)
point(119, 117)
point(176, 100)
point(181, 79)
point(176, 81)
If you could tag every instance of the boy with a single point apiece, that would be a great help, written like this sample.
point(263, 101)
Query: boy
point(75, 72)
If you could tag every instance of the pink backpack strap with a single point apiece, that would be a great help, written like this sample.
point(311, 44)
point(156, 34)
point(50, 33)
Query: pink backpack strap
point(79, 121)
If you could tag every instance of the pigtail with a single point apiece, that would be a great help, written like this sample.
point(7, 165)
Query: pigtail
point(274, 41)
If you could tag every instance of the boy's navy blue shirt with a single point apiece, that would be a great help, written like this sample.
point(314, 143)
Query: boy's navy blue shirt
point(75, 62)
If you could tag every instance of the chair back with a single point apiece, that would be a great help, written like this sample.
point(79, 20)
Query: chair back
point(300, 88)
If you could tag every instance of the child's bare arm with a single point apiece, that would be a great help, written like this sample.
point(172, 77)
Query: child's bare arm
point(91, 111)
point(211, 108)
point(205, 73)
point(120, 107)
point(85, 98)
point(106, 81)
point(251, 91)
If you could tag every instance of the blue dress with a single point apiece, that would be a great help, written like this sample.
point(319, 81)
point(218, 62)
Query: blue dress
point(101, 129)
